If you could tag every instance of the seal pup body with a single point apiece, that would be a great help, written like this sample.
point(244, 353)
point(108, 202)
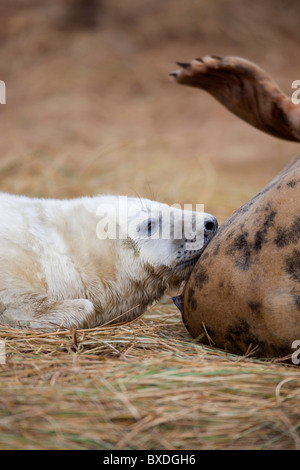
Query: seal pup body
point(60, 265)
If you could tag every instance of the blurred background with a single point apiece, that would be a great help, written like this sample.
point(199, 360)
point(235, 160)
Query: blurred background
point(90, 108)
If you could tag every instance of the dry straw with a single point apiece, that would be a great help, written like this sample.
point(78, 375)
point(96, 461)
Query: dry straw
point(142, 385)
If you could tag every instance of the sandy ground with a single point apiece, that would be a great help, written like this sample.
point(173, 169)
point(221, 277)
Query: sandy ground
point(93, 110)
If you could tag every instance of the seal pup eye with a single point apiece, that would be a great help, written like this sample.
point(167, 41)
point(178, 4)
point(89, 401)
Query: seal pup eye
point(147, 228)
point(150, 227)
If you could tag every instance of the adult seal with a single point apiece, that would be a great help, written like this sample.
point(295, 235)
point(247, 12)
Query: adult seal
point(244, 292)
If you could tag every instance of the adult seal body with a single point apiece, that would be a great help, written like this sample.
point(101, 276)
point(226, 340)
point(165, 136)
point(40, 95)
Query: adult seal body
point(244, 293)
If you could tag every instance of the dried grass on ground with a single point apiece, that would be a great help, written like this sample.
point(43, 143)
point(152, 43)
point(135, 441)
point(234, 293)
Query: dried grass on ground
point(143, 385)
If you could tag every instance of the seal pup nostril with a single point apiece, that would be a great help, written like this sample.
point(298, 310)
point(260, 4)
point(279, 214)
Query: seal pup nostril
point(210, 226)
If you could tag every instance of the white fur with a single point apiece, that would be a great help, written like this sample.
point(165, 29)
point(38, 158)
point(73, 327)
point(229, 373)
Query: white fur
point(57, 268)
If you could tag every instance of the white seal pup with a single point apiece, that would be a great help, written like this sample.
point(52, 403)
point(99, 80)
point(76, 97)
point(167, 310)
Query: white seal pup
point(89, 261)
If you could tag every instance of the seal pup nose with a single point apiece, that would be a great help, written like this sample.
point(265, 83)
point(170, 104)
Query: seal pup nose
point(210, 226)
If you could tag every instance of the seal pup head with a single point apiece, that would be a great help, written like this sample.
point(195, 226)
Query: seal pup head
point(169, 237)
point(152, 247)
point(156, 241)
